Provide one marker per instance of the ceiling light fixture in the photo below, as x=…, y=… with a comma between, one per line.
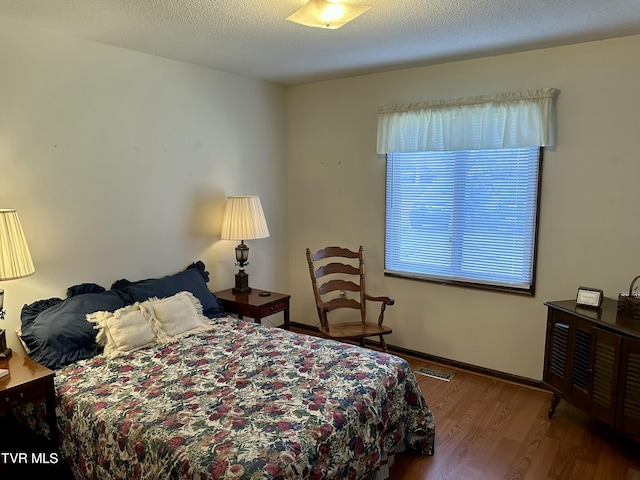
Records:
x=326, y=14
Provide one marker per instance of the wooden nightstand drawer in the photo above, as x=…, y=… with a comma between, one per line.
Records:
x=256, y=304
x=24, y=395
x=276, y=307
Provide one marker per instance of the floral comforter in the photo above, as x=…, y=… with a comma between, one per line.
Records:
x=240, y=401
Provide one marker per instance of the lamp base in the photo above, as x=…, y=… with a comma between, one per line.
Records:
x=242, y=283
x=5, y=352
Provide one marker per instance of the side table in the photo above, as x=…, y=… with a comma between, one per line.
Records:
x=255, y=305
x=26, y=382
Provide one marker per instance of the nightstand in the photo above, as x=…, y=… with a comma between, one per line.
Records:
x=26, y=382
x=255, y=305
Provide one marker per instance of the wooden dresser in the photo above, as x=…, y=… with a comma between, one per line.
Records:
x=592, y=361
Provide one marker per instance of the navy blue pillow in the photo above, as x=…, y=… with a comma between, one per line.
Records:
x=192, y=279
x=57, y=332
x=84, y=288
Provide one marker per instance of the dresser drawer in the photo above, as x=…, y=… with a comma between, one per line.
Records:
x=13, y=398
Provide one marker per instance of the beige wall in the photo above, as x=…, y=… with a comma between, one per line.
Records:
x=119, y=164
x=590, y=211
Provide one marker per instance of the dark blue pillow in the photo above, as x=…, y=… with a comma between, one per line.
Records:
x=57, y=332
x=192, y=279
x=84, y=288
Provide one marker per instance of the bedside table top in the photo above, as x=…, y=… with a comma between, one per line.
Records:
x=22, y=371
x=252, y=298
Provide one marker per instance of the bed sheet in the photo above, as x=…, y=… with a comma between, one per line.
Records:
x=240, y=401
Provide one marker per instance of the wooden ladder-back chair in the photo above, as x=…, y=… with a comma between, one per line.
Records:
x=344, y=277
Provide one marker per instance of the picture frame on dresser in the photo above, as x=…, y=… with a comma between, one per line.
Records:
x=589, y=297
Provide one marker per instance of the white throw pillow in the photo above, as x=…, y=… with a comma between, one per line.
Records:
x=176, y=315
x=125, y=330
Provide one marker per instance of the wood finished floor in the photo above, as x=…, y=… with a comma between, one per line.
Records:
x=491, y=429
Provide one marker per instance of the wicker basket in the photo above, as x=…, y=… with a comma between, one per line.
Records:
x=628, y=303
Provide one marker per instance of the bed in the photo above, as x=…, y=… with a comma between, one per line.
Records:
x=224, y=398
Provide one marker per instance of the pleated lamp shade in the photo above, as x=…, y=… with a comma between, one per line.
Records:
x=15, y=258
x=244, y=219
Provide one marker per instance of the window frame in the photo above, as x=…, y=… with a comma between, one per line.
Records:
x=530, y=291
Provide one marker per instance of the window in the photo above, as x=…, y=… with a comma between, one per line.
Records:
x=462, y=186
x=463, y=216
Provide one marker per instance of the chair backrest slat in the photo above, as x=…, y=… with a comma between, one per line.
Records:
x=338, y=285
x=336, y=268
x=334, y=252
x=336, y=303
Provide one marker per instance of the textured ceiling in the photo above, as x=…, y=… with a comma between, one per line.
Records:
x=252, y=37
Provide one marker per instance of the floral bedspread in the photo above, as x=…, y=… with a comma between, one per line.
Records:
x=240, y=401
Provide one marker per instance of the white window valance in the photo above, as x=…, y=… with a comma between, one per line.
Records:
x=505, y=120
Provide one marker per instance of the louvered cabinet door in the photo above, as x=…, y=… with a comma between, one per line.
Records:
x=558, y=351
x=579, y=392
x=628, y=418
x=606, y=367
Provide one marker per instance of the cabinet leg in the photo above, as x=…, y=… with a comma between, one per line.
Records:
x=554, y=403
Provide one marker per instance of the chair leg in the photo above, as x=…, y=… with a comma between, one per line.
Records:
x=362, y=342
x=383, y=344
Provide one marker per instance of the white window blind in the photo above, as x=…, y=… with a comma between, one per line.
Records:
x=463, y=216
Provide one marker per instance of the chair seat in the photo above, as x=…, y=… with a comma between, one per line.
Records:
x=356, y=330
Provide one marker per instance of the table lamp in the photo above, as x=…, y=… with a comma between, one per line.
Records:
x=243, y=220
x=15, y=261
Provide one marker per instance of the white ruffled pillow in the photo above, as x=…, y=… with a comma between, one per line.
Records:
x=176, y=315
x=123, y=331
x=148, y=323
